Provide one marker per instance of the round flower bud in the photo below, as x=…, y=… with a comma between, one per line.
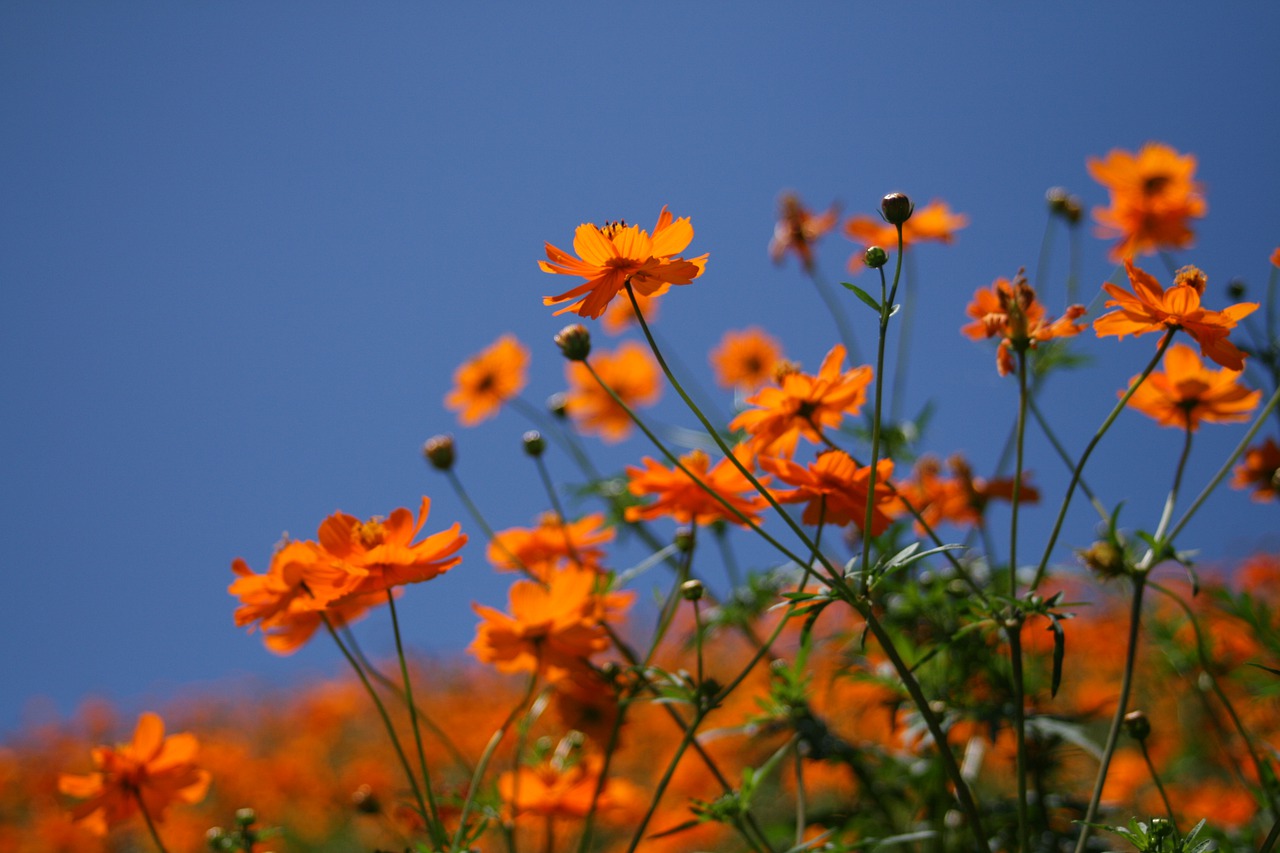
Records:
x=684, y=539
x=365, y=801
x=215, y=838
x=1104, y=559
x=246, y=817
x=1137, y=725
x=557, y=405
x=691, y=590
x=534, y=443
x=875, y=257
x=439, y=451
x=896, y=208
x=574, y=341
x=1073, y=210
x=1235, y=289
x=1057, y=198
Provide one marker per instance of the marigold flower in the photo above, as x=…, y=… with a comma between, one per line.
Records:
x=1153, y=197
x=688, y=503
x=802, y=405
x=487, y=380
x=152, y=768
x=935, y=222
x=1151, y=308
x=551, y=545
x=559, y=789
x=1260, y=470
x=1010, y=311
x=834, y=490
x=745, y=360
x=632, y=374
x=617, y=253
x=1187, y=393
x=798, y=229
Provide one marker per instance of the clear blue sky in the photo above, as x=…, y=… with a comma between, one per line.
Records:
x=243, y=247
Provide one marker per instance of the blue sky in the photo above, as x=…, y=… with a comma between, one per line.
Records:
x=243, y=247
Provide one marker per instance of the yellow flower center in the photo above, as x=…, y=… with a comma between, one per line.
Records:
x=369, y=533
x=610, y=229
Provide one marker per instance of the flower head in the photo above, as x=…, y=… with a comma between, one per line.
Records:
x=1010, y=311
x=567, y=789
x=679, y=497
x=745, y=360
x=1153, y=199
x=552, y=544
x=632, y=374
x=960, y=499
x=611, y=256
x=935, y=222
x=1260, y=471
x=798, y=229
x=1151, y=308
x=833, y=489
x=484, y=382
x=1187, y=393
x=802, y=405
x=152, y=769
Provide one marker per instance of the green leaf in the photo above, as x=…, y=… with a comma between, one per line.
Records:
x=864, y=296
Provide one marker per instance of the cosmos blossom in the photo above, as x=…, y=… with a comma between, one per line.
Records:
x=798, y=229
x=1186, y=393
x=1010, y=311
x=1154, y=197
x=833, y=489
x=1259, y=470
x=679, y=497
x=484, y=382
x=632, y=374
x=745, y=360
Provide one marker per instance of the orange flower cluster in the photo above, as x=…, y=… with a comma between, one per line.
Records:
x=352, y=567
x=960, y=499
x=1154, y=197
x=552, y=545
x=681, y=498
x=798, y=229
x=632, y=374
x=1187, y=393
x=611, y=256
x=1151, y=308
x=483, y=383
x=1010, y=311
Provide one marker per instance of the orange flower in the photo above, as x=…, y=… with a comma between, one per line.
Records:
x=562, y=789
x=1260, y=470
x=687, y=502
x=932, y=223
x=153, y=769
x=1187, y=393
x=745, y=360
x=487, y=380
x=960, y=499
x=834, y=489
x=804, y=405
x=619, y=253
x=1151, y=308
x=798, y=229
x=1153, y=197
x=620, y=316
x=551, y=545
x=553, y=628
x=633, y=375
x=1275, y=257
x=1010, y=311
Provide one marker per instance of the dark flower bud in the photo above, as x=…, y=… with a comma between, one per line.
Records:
x=1057, y=198
x=1073, y=210
x=1137, y=725
x=1235, y=289
x=216, y=838
x=534, y=443
x=691, y=590
x=439, y=451
x=557, y=405
x=574, y=341
x=684, y=539
x=365, y=801
x=246, y=817
x=875, y=257
x=896, y=208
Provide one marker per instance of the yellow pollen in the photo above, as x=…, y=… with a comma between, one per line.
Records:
x=369, y=533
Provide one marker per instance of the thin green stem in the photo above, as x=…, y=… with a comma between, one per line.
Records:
x=1084, y=457
x=800, y=795
x=1171, y=500
x=1016, y=498
x=1155, y=777
x=1043, y=423
x=877, y=413
x=901, y=360
x=1019, y=730
x=146, y=816
x=588, y=826
x=1269, y=843
x=689, y=735
x=669, y=607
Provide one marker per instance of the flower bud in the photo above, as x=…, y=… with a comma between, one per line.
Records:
x=216, y=838
x=439, y=451
x=1073, y=210
x=875, y=257
x=1057, y=198
x=1235, y=289
x=691, y=590
x=1137, y=725
x=684, y=539
x=1104, y=559
x=557, y=405
x=246, y=817
x=534, y=443
x=896, y=208
x=365, y=801
x=574, y=341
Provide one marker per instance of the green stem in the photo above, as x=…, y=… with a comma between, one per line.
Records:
x=588, y=827
x=1155, y=777
x=1019, y=730
x=1043, y=423
x=146, y=816
x=689, y=734
x=1171, y=500
x=882, y=337
x=1016, y=499
x=897, y=398
x=668, y=613
x=1269, y=843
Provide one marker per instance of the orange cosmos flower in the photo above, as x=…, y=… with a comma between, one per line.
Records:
x=1187, y=393
x=1153, y=197
x=935, y=222
x=633, y=375
x=554, y=626
x=803, y=405
x=619, y=253
x=688, y=503
x=564, y=789
x=798, y=229
x=551, y=545
x=1275, y=257
x=1260, y=471
x=487, y=380
x=1010, y=311
x=745, y=360
x=960, y=499
x=152, y=769
x=384, y=550
x=1151, y=308
x=834, y=489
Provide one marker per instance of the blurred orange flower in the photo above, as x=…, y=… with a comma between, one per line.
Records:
x=935, y=222
x=1011, y=312
x=552, y=544
x=1187, y=393
x=1153, y=199
x=618, y=253
x=834, y=489
x=688, y=503
x=1151, y=308
x=620, y=316
x=802, y=405
x=960, y=499
x=487, y=380
x=633, y=375
x=1260, y=471
x=798, y=229
x=1275, y=257
x=557, y=789
x=745, y=360
x=153, y=770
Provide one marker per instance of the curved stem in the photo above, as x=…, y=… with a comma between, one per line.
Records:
x=877, y=411
x=433, y=815
x=146, y=816
x=1155, y=777
x=1166, y=515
